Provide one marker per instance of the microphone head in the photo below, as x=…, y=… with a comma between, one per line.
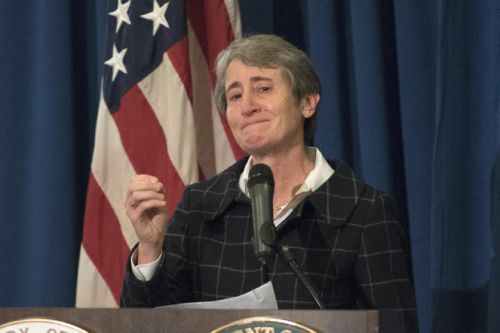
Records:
x=260, y=173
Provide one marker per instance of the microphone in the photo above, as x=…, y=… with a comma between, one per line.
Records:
x=261, y=188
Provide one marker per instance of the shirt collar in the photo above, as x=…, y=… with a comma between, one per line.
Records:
x=321, y=172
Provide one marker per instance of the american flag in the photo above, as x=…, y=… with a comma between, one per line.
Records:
x=156, y=116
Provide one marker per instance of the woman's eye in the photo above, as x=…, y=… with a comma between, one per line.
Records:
x=234, y=97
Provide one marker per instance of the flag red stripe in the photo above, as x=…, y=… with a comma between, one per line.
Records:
x=210, y=22
x=103, y=240
x=146, y=145
x=179, y=56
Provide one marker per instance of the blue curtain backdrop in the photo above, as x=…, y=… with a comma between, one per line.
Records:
x=48, y=99
x=410, y=100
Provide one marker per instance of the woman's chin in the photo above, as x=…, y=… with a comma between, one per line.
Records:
x=255, y=147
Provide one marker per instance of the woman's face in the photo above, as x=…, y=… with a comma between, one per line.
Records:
x=263, y=114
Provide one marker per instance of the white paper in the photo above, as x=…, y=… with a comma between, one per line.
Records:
x=262, y=297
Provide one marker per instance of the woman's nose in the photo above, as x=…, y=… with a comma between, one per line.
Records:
x=249, y=104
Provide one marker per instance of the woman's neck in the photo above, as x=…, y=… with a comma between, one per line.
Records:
x=289, y=169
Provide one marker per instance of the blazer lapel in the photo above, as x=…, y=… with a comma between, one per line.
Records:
x=223, y=191
x=335, y=200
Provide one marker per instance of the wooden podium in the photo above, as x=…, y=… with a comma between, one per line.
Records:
x=189, y=320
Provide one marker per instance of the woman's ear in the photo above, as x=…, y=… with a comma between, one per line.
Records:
x=310, y=103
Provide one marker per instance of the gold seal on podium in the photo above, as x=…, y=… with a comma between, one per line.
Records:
x=39, y=325
x=263, y=325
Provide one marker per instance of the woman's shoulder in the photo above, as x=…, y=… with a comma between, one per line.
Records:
x=210, y=198
x=221, y=181
x=345, y=182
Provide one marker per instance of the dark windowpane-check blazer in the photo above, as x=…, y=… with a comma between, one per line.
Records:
x=344, y=236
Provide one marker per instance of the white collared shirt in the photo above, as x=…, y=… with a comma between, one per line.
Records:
x=321, y=172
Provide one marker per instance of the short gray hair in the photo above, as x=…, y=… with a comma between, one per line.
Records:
x=270, y=51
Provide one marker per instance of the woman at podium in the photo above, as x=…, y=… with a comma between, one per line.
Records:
x=342, y=233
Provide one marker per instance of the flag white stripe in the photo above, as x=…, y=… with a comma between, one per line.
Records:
x=112, y=169
x=233, y=10
x=167, y=96
x=91, y=288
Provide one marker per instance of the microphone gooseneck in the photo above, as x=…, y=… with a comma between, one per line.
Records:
x=285, y=253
